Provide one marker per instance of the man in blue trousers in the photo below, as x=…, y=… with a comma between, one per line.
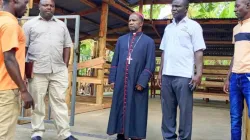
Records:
x=239, y=73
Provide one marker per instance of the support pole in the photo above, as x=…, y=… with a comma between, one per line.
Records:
x=102, y=45
x=73, y=97
x=141, y=6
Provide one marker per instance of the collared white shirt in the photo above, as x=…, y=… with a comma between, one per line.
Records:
x=45, y=41
x=179, y=43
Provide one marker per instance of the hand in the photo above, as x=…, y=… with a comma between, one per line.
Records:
x=226, y=86
x=159, y=80
x=139, y=87
x=112, y=85
x=196, y=81
x=27, y=99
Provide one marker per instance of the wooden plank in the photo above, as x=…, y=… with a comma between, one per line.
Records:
x=219, y=67
x=86, y=79
x=214, y=71
x=216, y=96
x=93, y=63
x=212, y=84
x=214, y=75
x=217, y=58
x=107, y=66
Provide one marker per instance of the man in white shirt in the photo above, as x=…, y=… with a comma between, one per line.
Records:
x=182, y=46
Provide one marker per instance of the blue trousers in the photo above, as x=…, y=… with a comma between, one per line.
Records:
x=239, y=88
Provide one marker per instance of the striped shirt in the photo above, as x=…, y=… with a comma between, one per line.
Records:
x=241, y=41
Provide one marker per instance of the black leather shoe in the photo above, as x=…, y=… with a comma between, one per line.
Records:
x=36, y=138
x=120, y=137
x=71, y=138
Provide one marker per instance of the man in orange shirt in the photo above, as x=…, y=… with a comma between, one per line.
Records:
x=12, y=64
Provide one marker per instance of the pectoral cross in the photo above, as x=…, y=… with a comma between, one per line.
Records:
x=129, y=59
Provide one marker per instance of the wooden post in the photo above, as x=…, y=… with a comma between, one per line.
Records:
x=102, y=45
x=1, y=4
x=141, y=6
x=246, y=123
x=95, y=55
x=151, y=11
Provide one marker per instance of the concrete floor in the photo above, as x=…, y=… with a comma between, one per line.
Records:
x=210, y=122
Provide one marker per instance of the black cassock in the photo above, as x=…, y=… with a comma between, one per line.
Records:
x=129, y=110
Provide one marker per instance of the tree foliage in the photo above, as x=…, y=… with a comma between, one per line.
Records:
x=212, y=10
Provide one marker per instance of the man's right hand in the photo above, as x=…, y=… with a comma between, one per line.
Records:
x=159, y=80
x=226, y=86
x=112, y=85
x=28, y=100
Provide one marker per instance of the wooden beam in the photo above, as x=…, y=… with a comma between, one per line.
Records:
x=214, y=96
x=211, y=71
x=212, y=84
x=201, y=21
x=191, y=1
x=118, y=6
x=93, y=80
x=120, y=29
x=93, y=5
x=65, y=12
x=219, y=42
x=86, y=12
x=141, y=6
x=118, y=17
x=156, y=31
x=90, y=4
x=93, y=63
x=214, y=76
x=30, y=4
x=102, y=45
x=107, y=66
x=217, y=58
x=158, y=41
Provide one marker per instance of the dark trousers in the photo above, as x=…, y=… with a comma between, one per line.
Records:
x=175, y=91
x=239, y=90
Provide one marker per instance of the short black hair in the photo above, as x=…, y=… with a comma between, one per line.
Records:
x=6, y=2
x=186, y=2
x=40, y=2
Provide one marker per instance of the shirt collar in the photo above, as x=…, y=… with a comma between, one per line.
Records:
x=41, y=18
x=183, y=20
x=244, y=21
x=136, y=33
x=4, y=13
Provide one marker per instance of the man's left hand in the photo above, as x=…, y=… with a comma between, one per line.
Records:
x=196, y=81
x=139, y=87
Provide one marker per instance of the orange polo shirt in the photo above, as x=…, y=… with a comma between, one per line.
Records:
x=11, y=37
x=241, y=41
